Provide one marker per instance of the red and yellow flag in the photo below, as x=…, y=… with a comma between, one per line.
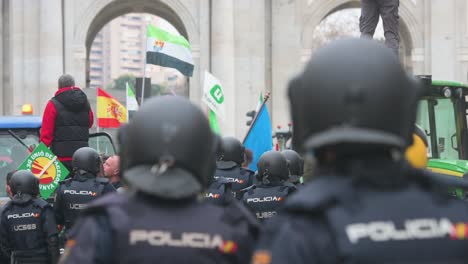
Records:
x=110, y=113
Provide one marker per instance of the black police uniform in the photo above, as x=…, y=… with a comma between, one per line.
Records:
x=336, y=219
x=265, y=199
x=74, y=194
x=28, y=232
x=220, y=191
x=240, y=178
x=230, y=156
x=296, y=166
x=147, y=229
x=365, y=204
x=161, y=220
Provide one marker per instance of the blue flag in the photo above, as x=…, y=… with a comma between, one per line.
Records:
x=259, y=139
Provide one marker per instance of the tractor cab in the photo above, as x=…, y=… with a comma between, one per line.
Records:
x=19, y=135
x=442, y=113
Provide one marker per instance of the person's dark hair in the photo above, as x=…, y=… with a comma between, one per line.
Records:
x=8, y=176
x=248, y=157
x=66, y=80
x=104, y=157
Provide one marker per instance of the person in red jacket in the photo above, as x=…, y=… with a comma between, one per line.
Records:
x=66, y=120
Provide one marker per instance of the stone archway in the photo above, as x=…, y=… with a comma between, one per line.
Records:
x=100, y=12
x=410, y=30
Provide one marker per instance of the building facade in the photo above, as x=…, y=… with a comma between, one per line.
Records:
x=250, y=45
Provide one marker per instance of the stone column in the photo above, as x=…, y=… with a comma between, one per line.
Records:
x=201, y=55
x=2, y=15
x=223, y=54
x=51, y=49
x=286, y=56
x=22, y=46
x=252, y=65
x=443, y=39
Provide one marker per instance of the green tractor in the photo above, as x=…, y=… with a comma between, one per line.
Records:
x=442, y=113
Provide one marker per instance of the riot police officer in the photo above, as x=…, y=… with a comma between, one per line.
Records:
x=229, y=166
x=296, y=166
x=28, y=232
x=353, y=109
x=267, y=196
x=75, y=193
x=169, y=156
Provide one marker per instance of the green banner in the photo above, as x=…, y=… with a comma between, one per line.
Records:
x=45, y=165
x=214, y=123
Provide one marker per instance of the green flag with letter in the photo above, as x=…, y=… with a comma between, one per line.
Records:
x=213, y=97
x=45, y=165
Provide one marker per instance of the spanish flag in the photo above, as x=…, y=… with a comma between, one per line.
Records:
x=110, y=113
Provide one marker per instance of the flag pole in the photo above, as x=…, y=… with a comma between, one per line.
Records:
x=97, y=121
x=267, y=96
x=144, y=67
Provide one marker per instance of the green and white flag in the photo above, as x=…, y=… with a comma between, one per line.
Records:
x=168, y=50
x=132, y=104
x=213, y=95
x=260, y=102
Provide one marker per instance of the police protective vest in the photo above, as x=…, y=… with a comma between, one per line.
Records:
x=71, y=124
x=361, y=224
x=24, y=229
x=146, y=230
x=241, y=178
x=74, y=194
x=265, y=200
x=220, y=191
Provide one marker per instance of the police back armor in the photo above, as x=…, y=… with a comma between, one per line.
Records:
x=220, y=191
x=265, y=200
x=24, y=230
x=144, y=231
x=73, y=195
x=342, y=222
x=241, y=178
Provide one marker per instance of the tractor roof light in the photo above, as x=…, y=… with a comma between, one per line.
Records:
x=27, y=109
x=446, y=92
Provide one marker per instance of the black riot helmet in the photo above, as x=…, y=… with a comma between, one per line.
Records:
x=24, y=182
x=353, y=91
x=86, y=159
x=232, y=152
x=273, y=167
x=169, y=149
x=295, y=162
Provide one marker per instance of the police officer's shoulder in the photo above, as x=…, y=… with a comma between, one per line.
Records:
x=246, y=171
x=307, y=234
x=6, y=207
x=106, y=201
x=234, y=213
x=249, y=189
x=66, y=181
x=102, y=180
x=41, y=203
x=317, y=194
